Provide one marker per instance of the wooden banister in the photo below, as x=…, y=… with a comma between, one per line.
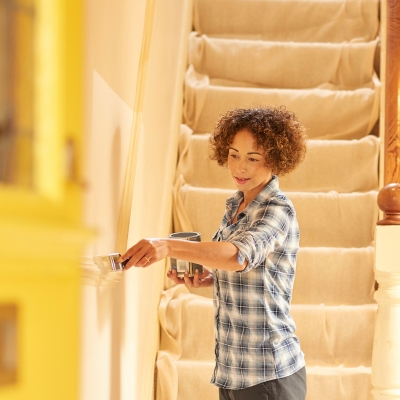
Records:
x=392, y=70
x=389, y=195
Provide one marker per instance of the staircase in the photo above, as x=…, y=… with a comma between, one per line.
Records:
x=318, y=58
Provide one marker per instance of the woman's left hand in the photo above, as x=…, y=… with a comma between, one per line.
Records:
x=198, y=280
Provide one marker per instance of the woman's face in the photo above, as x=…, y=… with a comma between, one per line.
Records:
x=246, y=163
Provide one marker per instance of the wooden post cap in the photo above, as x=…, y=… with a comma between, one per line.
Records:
x=389, y=202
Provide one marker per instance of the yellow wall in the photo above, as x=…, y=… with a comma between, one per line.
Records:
x=45, y=289
x=41, y=234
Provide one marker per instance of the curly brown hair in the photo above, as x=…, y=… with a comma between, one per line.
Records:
x=276, y=130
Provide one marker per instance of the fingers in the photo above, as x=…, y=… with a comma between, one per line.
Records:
x=174, y=277
x=196, y=279
x=146, y=252
x=137, y=261
x=188, y=280
x=139, y=255
x=143, y=261
x=191, y=282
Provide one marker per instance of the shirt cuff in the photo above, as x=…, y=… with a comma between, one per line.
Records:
x=241, y=258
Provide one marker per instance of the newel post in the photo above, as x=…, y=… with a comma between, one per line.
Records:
x=386, y=350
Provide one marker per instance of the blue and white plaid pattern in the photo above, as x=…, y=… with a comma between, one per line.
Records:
x=255, y=337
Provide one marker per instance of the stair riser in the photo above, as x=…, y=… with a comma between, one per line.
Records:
x=328, y=275
x=326, y=333
x=325, y=220
x=326, y=113
x=345, y=65
x=319, y=172
x=299, y=21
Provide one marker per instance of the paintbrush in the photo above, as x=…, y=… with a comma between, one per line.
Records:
x=109, y=263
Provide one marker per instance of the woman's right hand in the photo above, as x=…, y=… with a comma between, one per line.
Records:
x=198, y=280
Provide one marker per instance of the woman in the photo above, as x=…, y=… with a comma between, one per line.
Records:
x=251, y=260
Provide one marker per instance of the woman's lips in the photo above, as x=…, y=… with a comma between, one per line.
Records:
x=241, y=181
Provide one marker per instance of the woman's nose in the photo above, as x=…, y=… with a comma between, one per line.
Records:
x=241, y=166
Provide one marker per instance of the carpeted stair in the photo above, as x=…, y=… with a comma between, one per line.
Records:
x=319, y=59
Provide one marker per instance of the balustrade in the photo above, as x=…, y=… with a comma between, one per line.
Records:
x=386, y=351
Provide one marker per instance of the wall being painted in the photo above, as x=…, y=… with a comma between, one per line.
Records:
x=120, y=325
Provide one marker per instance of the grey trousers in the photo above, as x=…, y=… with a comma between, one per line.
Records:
x=293, y=387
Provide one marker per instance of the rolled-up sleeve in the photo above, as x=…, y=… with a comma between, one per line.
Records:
x=263, y=236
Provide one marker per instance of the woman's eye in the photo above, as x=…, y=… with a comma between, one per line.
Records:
x=233, y=155
x=253, y=159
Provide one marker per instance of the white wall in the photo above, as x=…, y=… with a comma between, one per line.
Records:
x=120, y=325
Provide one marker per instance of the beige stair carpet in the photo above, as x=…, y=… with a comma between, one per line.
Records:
x=327, y=113
x=319, y=59
x=333, y=21
x=344, y=65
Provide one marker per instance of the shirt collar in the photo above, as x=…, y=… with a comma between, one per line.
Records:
x=271, y=187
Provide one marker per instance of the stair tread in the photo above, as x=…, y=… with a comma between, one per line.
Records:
x=305, y=21
x=348, y=65
x=342, y=114
x=325, y=219
x=319, y=172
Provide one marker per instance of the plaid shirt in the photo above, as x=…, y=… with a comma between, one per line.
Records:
x=255, y=337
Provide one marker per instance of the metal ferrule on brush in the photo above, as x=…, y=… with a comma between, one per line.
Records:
x=109, y=263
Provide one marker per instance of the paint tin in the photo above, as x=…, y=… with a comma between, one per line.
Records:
x=179, y=265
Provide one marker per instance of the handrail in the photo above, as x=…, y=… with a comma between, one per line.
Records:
x=389, y=195
x=392, y=73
